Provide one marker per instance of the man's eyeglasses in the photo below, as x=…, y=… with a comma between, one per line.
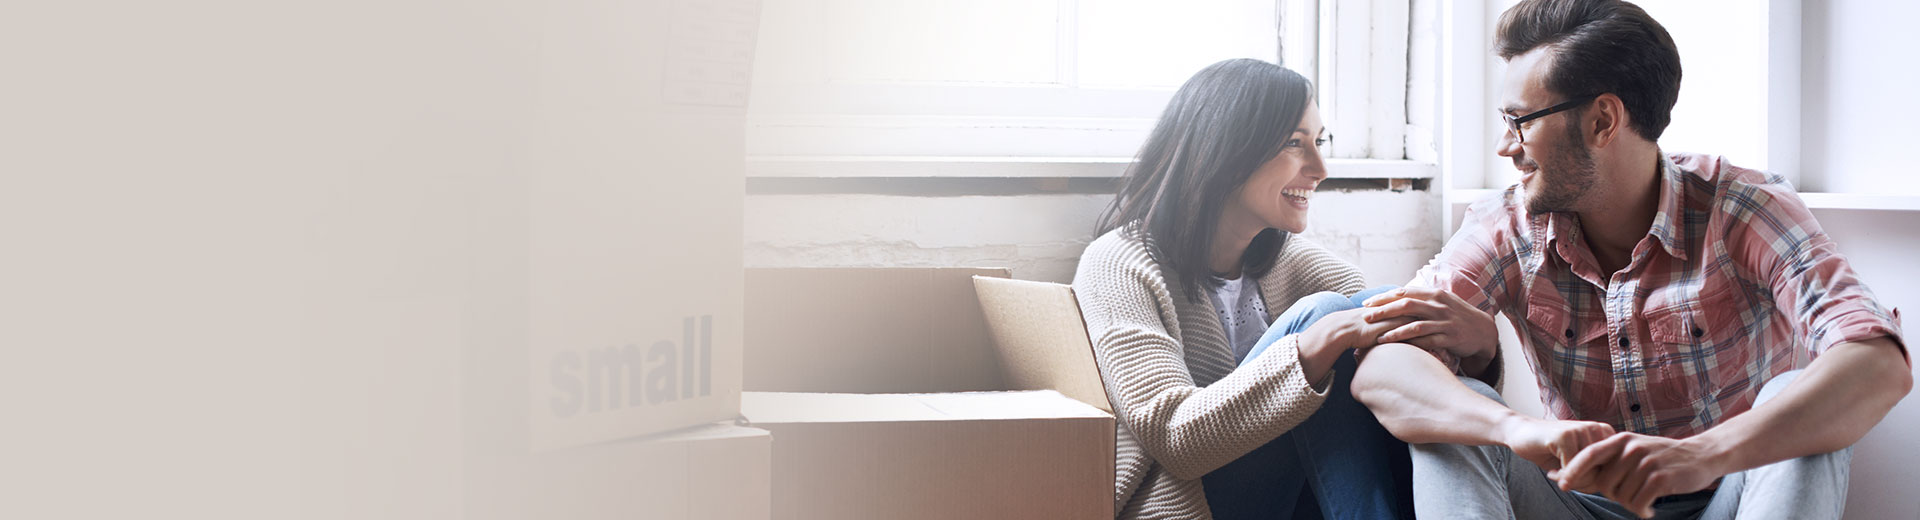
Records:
x=1514, y=122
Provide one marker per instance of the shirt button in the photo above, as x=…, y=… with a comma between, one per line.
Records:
x=1697, y=332
x=1623, y=342
x=1634, y=408
x=1569, y=333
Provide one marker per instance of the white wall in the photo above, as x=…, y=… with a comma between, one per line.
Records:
x=1388, y=234
x=1860, y=75
x=1881, y=245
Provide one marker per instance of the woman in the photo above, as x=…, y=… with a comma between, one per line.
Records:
x=1228, y=408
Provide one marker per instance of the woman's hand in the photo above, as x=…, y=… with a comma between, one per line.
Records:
x=1324, y=341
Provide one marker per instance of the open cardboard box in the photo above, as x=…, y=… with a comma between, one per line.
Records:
x=868, y=330
x=885, y=448
x=936, y=456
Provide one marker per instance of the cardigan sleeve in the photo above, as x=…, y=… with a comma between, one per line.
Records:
x=1188, y=430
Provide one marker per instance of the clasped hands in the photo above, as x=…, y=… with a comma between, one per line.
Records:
x=1629, y=468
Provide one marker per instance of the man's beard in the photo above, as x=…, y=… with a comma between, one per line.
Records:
x=1572, y=172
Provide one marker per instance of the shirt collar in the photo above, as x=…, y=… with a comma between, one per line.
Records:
x=1668, y=225
x=1563, y=229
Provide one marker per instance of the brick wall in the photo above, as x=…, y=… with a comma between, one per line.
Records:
x=1040, y=236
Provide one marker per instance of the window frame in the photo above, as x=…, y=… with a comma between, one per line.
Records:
x=1085, y=131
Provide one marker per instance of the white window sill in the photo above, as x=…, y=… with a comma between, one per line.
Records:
x=1025, y=167
x=1815, y=200
x=1861, y=201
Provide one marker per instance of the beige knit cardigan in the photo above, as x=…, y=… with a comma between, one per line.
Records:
x=1182, y=408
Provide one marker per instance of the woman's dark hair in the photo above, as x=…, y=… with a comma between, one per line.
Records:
x=1600, y=46
x=1220, y=127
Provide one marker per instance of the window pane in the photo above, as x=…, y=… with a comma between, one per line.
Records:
x=958, y=41
x=1723, y=91
x=1155, y=43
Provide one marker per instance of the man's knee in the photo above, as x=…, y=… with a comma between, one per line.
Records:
x=1815, y=486
x=1775, y=385
x=1478, y=455
x=1457, y=464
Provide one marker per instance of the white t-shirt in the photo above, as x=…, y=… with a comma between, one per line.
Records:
x=1242, y=314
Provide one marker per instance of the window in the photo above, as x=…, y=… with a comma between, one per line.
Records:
x=1072, y=82
x=1739, y=97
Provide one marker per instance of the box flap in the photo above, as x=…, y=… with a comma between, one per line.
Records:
x=1041, y=339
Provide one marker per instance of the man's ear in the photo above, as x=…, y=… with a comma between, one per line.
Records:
x=1610, y=119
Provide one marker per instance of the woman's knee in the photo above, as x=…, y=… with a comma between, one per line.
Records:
x=1321, y=304
x=1361, y=297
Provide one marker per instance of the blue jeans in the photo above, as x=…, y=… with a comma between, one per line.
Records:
x=1339, y=464
x=1491, y=482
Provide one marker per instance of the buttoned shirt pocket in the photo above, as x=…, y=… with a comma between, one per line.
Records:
x=1562, y=342
x=1701, y=346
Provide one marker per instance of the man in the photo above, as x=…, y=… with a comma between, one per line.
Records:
x=1704, y=348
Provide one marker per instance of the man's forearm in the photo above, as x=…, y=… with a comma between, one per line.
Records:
x=1420, y=401
x=1840, y=396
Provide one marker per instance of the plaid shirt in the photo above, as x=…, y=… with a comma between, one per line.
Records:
x=1734, y=284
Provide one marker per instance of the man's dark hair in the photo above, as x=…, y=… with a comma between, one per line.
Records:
x=1225, y=122
x=1600, y=46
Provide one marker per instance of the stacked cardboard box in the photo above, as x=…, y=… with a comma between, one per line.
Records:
x=611, y=376
x=720, y=472
x=633, y=224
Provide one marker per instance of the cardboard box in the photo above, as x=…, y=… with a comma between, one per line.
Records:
x=720, y=471
x=868, y=330
x=634, y=211
x=1041, y=338
x=1001, y=455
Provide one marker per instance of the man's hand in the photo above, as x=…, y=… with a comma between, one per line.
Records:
x=1444, y=322
x=1635, y=469
x=1547, y=443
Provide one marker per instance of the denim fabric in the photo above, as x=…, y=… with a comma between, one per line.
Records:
x=1339, y=464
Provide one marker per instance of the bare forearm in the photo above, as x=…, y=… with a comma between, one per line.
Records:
x=1420, y=401
x=1840, y=396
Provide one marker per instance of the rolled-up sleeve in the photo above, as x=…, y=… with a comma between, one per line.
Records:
x=1477, y=263
x=1775, y=234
